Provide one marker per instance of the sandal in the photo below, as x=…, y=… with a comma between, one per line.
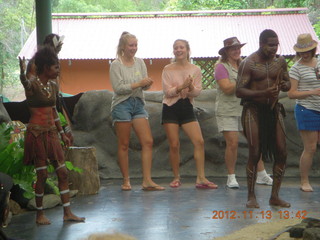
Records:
x=208, y=185
x=175, y=184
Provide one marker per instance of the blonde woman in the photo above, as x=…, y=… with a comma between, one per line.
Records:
x=181, y=82
x=129, y=78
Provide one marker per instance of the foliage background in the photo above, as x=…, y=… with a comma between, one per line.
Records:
x=17, y=20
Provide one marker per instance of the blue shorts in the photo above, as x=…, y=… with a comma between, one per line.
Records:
x=128, y=110
x=307, y=119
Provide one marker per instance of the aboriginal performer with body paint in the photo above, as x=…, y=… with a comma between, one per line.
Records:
x=42, y=141
x=261, y=76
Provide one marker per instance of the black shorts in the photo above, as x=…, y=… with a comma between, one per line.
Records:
x=180, y=113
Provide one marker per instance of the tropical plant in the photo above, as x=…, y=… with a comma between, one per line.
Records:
x=11, y=155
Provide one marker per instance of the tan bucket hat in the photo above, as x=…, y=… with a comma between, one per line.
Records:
x=230, y=42
x=305, y=43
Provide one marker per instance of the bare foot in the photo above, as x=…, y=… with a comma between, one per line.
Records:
x=252, y=203
x=126, y=187
x=306, y=187
x=41, y=219
x=73, y=218
x=279, y=202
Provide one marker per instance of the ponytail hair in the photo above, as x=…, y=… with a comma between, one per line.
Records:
x=122, y=42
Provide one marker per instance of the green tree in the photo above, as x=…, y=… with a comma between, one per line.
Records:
x=16, y=23
x=75, y=6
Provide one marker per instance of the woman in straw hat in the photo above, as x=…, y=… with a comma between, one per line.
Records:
x=228, y=108
x=305, y=88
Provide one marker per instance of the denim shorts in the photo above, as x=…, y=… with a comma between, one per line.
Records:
x=129, y=109
x=307, y=119
x=180, y=113
x=229, y=123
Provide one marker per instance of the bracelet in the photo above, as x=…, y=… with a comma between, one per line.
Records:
x=57, y=120
x=61, y=132
x=67, y=129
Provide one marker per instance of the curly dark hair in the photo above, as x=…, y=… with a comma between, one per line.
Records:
x=265, y=34
x=45, y=56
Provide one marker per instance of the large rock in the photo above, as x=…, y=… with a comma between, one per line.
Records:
x=93, y=127
x=4, y=116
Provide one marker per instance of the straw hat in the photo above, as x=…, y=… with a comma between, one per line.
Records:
x=230, y=42
x=305, y=43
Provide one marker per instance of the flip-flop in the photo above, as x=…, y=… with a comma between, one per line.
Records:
x=153, y=188
x=208, y=185
x=175, y=184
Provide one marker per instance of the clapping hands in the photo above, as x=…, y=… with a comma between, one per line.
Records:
x=188, y=83
x=146, y=82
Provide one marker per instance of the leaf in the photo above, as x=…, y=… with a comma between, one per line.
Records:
x=71, y=167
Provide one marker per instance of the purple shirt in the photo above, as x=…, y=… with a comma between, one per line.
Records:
x=220, y=72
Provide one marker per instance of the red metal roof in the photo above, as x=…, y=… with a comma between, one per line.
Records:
x=97, y=38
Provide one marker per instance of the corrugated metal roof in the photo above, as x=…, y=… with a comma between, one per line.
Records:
x=97, y=38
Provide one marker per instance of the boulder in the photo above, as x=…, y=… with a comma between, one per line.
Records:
x=93, y=127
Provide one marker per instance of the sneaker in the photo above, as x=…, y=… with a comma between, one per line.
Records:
x=232, y=181
x=265, y=180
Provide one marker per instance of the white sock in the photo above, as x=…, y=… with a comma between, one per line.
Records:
x=231, y=175
x=262, y=173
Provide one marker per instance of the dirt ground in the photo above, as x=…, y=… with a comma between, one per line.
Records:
x=263, y=231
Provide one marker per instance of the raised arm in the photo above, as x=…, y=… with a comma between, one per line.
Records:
x=25, y=82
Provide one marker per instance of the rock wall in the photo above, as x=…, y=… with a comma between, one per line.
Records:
x=93, y=127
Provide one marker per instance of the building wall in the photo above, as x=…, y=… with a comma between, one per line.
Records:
x=85, y=75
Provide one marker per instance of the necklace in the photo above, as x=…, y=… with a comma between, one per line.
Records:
x=46, y=89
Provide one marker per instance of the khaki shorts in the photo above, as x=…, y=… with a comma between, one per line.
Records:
x=229, y=123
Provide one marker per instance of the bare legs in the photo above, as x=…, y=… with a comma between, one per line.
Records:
x=252, y=134
x=193, y=131
x=143, y=132
x=172, y=131
x=42, y=176
x=309, y=139
x=123, y=133
x=231, y=153
x=62, y=174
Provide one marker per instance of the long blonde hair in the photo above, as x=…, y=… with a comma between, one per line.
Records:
x=122, y=42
